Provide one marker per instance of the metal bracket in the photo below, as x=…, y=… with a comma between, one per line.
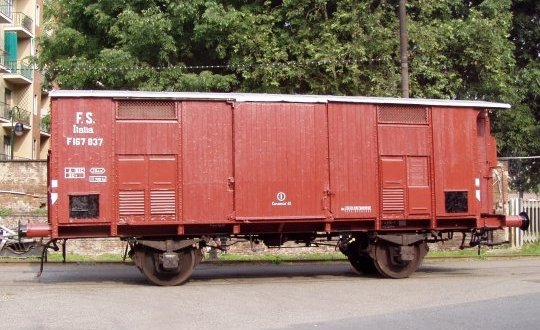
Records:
x=404, y=239
x=168, y=245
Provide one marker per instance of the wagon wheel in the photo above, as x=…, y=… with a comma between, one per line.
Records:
x=389, y=264
x=362, y=264
x=155, y=273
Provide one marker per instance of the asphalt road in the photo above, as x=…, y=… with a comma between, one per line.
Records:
x=499, y=294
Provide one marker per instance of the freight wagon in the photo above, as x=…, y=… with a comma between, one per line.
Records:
x=173, y=172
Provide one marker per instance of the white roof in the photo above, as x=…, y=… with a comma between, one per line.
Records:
x=249, y=97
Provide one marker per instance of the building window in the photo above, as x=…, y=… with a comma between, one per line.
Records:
x=38, y=15
x=34, y=106
x=34, y=147
x=7, y=147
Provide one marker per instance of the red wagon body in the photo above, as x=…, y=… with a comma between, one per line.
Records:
x=175, y=168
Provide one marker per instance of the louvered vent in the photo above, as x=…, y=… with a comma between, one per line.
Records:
x=163, y=202
x=393, y=200
x=131, y=202
x=140, y=109
x=403, y=114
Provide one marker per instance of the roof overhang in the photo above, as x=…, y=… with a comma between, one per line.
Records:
x=248, y=97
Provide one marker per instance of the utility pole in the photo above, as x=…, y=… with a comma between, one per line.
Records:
x=404, y=48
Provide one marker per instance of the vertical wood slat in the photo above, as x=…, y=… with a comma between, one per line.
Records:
x=518, y=236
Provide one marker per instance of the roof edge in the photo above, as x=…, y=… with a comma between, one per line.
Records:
x=290, y=98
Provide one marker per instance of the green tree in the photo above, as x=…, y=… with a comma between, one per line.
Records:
x=518, y=131
x=468, y=49
x=126, y=44
x=459, y=49
x=307, y=46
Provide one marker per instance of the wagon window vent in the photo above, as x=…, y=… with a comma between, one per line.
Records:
x=84, y=206
x=403, y=114
x=456, y=201
x=146, y=110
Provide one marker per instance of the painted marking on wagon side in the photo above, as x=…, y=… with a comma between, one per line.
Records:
x=84, y=125
x=97, y=170
x=83, y=130
x=80, y=142
x=356, y=209
x=74, y=172
x=84, y=118
x=54, y=198
x=281, y=200
x=97, y=178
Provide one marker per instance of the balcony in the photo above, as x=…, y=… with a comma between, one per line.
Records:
x=6, y=11
x=19, y=72
x=4, y=113
x=4, y=157
x=18, y=114
x=3, y=59
x=22, y=24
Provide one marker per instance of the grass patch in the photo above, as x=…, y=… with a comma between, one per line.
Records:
x=531, y=249
x=473, y=253
x=279, y=258
x=225, y=257
x=40, y=212
x=73, y=257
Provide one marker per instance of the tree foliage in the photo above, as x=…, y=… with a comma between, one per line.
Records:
x=458, y=49
x=518, y=131
x=467, y=49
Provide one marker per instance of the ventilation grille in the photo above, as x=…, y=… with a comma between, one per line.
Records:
x=131, y=203
x=456, y=201
x=163, y=202
x=393, y=200
x=84, y=206
x=146, y=110
x=403, y=114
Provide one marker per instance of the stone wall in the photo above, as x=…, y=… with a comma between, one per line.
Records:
x=23, y=188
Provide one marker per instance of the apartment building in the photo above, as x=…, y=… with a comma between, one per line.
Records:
x=24, y=132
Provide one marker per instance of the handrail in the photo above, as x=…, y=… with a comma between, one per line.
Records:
x=21, y=115
x=19, y=67
x=6, y=8
x=23, y=20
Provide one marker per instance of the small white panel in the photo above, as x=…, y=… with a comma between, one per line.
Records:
x=54, y=198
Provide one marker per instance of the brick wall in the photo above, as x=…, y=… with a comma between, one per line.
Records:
x=23, y=188
x=23, y=198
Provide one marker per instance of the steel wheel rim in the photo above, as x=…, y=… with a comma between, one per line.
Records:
x=159, y=277
x=388, y=266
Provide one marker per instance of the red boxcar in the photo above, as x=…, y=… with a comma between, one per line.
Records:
x=170, y=172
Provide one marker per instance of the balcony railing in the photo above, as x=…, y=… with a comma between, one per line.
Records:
x=21, y=19
x=19, y=114
x=4, y=110
x=4, y=157
x=3, y=56
x=6, y=8
x=21, y=68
